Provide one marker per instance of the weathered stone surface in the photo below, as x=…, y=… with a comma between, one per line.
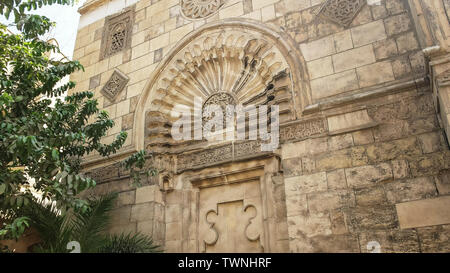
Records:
x=336, y=180
x=410, y=189
x=292, y=166
x=306, y=184
x=363, y=137
x=309, y=225
x=372, y=196
x=331, y=200
x=422, y=213
x=360, y=34
x=368, y=175
x=443, y=182
x=371, y=218
x=340, y=142
x=397, y=24
x=142, y=212
x=333, y=160
x=434, y=239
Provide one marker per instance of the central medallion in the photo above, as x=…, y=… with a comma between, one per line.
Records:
x=221, y=99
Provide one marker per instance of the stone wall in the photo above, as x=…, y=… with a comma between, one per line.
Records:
x=343, y=191
x=362, y=149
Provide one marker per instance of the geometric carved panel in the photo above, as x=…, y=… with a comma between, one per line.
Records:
x=341, y=12
x=117, y=33
x=114, y=85
x=197, y=9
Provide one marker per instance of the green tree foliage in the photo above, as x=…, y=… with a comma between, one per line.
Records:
x=88, y=228
x=42, y=141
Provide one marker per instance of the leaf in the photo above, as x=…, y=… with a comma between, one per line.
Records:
x=2, y=188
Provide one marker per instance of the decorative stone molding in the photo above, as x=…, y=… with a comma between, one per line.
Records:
x=198, y=9
x=302, y=130
x=247, y=149
x=114, y=85
x=117, y=33
x=341, y=12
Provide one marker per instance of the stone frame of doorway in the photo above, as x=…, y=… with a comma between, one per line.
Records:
x=267, y=170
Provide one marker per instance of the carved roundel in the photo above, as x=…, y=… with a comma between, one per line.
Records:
x=221, y=99
x=197, y=9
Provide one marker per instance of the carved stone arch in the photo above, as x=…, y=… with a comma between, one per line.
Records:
x=233, y=55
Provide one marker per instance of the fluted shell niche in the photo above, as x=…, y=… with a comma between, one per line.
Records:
x=244, y=65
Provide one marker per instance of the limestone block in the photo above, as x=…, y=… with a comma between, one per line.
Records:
x=430, y=142
x=123, y=108
x=385, y=49
x=142, y=212
x=268, y=13
x=340, y=142
x=368, y=175
x=296, y=205
x=371, y=218
x=148, y=194
x=336, y=180
x=443, y=182
x=320, y=67
x=292, y=166
x=375, y=74
x=306, y=184
x=371, y=196
x=257, y=4
x=363, y=137
x=422, y=213
x=348, y=122
x=318, y=49
x=173, y=231
x=306, y=147
x=407, y=42
x=435, y=239
x=397, y=24
x=343, y=41
x=177, y=34
x=368, y=33
x=330, y=200
x=121, y=215
x=235, y=10
x=125, y=198
x=400, y=169
x=411, y=189
x=334, y=84
x=309, y=226
x=353, y=58
x=159, y=42
x=334, y=160
x=145, y=227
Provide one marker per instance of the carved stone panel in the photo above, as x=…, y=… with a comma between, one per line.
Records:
x=197, y=9
x=117, y=33
x=341, y=12
x=231, y=218
x=115, y=85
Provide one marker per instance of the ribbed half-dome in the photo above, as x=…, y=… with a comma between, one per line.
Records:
x=249, y=68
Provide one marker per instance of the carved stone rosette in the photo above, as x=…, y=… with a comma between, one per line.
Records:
x=115, y=85
x=341, y=12
x=198, y=9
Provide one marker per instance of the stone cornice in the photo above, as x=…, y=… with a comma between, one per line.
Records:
x=91, y=5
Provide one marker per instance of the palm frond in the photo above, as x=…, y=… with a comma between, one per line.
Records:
x=88, y=227
x=127, y=243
